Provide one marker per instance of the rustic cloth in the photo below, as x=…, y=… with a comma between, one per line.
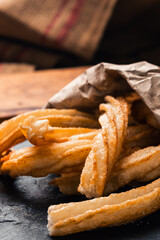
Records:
x=54, y=33
x=64, y=25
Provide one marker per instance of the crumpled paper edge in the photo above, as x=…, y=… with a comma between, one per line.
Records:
x=89, y=89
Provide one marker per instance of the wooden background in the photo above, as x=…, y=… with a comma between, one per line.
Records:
x=21, y=92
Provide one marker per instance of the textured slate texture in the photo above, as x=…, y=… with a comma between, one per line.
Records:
x=23, y=213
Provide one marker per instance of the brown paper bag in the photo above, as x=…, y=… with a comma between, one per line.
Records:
x=88, y=90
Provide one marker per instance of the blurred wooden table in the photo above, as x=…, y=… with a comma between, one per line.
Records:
x=21, y=92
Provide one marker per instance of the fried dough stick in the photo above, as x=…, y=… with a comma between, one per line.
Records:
x=39, y=132
x=139, y=137
x=142, y=135
x=116, y=209
x=76, y=137
x=131, y=98
x=107, y=146
x=10, y=133
x=141, y=113
x=120, y=109
x=67, y=183
x=141, y=166
x=93, y=175
x=43, y=160
x=153, y=174
x=134, y=167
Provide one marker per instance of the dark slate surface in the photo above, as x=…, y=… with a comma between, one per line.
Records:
x=23, y=214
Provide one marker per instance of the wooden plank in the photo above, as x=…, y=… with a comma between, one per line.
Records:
x=23, y=92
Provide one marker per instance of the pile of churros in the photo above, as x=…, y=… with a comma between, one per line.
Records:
x=94, y=155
